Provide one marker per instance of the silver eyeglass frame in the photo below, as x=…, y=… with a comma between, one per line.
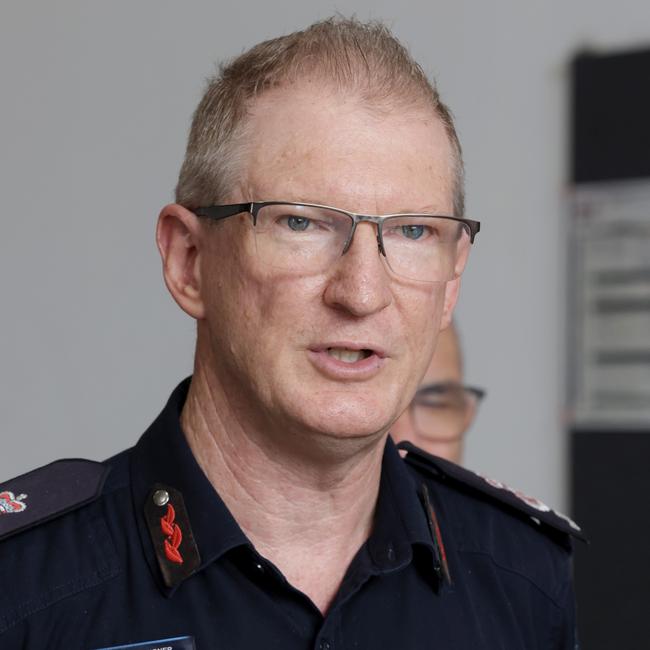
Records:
x=219, y=212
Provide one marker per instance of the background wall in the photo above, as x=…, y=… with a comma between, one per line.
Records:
x=96, y=103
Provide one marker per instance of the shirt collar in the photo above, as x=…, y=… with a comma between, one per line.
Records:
x=401, y=524
x=162, y=456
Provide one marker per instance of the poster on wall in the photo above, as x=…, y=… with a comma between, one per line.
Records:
x=609, y=305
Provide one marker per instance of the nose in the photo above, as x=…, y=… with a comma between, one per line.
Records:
x=360, y=284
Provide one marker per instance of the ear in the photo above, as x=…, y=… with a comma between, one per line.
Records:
x=178, y=236
x=451, y=296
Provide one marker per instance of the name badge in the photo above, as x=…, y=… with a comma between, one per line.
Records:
x=177, y=643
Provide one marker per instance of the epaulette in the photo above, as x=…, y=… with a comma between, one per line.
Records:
x=443, y=469
x=48, y=492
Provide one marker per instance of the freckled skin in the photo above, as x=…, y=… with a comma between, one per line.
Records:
x=321, y=147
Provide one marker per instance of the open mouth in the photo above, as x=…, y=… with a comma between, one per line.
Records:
x=349, y=356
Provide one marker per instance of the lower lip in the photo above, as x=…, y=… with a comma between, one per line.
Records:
x=336, y=369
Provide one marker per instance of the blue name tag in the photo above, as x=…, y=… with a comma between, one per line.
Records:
x=177, y=643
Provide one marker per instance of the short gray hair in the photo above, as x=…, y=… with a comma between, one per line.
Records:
x=364, y=57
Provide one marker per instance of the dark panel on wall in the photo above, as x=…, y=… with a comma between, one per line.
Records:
x=611, y=109
x=611, y=501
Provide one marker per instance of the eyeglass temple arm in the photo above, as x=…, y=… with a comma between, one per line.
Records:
x=440, y=387
x=217, y=212
x=474, y=228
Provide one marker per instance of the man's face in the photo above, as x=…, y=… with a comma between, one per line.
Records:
x=279, y=340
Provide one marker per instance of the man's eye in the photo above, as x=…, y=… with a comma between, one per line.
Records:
x=297, y=224
x=413, y=231
x=433, y=402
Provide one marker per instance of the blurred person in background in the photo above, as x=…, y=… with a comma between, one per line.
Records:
x=443, y=408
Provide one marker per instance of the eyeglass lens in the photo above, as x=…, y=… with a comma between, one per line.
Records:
x=444, y=413
x=309, y=239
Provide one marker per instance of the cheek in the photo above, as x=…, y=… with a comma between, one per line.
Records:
x=228, y=293
x=260, y=328
x=421, y=314
x=421, y=318
x=286, y=309
x=252, y=307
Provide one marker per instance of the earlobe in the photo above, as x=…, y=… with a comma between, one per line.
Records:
x=178, y=240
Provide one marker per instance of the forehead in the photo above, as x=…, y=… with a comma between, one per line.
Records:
x=315, y=144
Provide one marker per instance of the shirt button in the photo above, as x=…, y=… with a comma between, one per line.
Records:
x=390, y=553
x=325, y=645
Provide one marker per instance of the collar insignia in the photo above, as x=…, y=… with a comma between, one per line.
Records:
x=436, y=536
x=171, y=534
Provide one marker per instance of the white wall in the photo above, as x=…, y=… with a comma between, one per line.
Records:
x=96, y=102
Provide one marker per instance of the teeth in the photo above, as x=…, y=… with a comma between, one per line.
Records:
x=346, y=355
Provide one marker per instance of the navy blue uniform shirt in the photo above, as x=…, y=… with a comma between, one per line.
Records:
x=452, y=562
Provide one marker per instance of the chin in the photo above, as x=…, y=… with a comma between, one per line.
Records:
x=349, y=421
x=344, y=411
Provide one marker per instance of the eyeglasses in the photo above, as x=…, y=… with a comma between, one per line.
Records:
x=307, y=238
x=444, y=411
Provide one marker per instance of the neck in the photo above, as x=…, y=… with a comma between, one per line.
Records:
x=306, y=511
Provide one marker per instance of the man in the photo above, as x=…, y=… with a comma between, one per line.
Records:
x=442, y=409
x=263, y=508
